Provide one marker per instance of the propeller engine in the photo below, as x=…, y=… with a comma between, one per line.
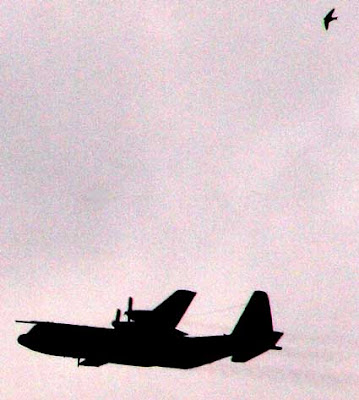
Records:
x=116, y=322
x=138, y=316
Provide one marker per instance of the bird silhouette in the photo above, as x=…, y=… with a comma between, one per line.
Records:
x=328, y=18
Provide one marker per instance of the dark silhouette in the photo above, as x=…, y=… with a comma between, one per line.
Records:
x=150, y=338
x=329, y=18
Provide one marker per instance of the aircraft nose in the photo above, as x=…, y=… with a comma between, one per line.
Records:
x=22, y=340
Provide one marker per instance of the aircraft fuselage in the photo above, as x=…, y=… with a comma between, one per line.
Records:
x=126, y=345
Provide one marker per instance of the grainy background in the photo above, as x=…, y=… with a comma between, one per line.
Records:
x=148, y=146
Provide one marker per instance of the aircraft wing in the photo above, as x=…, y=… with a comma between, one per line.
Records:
x=169, y=313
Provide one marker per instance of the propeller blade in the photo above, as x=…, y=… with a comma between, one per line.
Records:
x=129, y=309
x=116, y=321
x=130, y=303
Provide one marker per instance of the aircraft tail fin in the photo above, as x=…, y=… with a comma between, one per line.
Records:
x=253, y=334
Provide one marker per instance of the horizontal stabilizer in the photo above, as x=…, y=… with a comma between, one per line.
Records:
x=276, y=348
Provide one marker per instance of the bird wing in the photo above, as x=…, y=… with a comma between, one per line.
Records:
x=330, y=13
x=328, y=18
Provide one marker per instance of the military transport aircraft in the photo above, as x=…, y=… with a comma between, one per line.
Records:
x=150, y=338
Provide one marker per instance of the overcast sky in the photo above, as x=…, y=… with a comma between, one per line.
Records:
x=148, y=146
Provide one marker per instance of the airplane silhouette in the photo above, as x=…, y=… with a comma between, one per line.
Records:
x=328, y=18
x=150, y=338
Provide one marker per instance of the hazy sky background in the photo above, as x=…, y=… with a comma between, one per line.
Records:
x=148, y=146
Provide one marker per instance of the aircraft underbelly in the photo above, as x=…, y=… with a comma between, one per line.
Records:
x=177, y=353
x=66, y=348
x=72, y=344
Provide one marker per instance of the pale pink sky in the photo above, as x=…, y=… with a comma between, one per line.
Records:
x=148, y=146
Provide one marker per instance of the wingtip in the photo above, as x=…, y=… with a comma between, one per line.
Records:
x=186, y=291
